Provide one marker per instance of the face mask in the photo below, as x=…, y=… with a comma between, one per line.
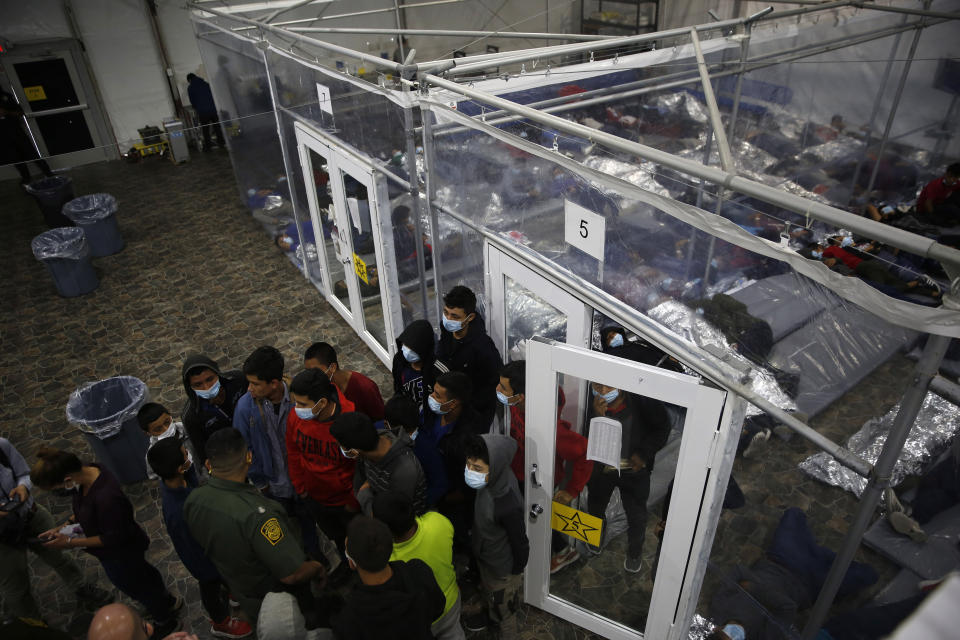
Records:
x=435, y=406
x=347, y=454
x=305, y=413
x=817, y=254
x=609, y=396
x=409, y=354
x=68, y=489
x=171, y=431
x=735, y=631
x=211, y=392
x=474, y=479
x=452, y=325
x=413, y=436
x=505, y=400
x=616, y=340
x=846, y=242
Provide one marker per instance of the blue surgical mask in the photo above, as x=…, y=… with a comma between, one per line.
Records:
x=306, y=413
x=616, y=340
x=474, y=479
x=347, y=455
x=735, y=631
x=502, y=397
x=435, y=406
x=409, y=354
x=413, y=436
x=210, y=393
x=846, y=242
x=452, y=325
x=817, y=254
x=609, y=396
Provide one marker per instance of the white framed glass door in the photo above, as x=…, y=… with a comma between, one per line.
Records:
x=524, y=305
x=346, y=213
x=597, y=592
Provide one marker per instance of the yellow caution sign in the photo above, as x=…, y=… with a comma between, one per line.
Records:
x=579, y=525
x=35, y=93
x=361, y=268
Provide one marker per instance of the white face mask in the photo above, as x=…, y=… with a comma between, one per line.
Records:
x=172, y=430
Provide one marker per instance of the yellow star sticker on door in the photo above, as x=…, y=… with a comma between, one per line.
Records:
x=576, y=524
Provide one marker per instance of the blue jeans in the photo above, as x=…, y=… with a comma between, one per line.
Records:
x=795, y=548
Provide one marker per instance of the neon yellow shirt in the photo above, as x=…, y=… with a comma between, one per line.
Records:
x=433, y=543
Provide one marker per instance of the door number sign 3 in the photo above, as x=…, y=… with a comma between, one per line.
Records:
x=584, y=229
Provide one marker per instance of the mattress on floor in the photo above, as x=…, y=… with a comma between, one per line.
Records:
x=785, y=302
x=836, y=350
x=932, y=559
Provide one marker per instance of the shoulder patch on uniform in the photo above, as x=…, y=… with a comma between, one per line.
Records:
x=261, y=510
x=271, y=531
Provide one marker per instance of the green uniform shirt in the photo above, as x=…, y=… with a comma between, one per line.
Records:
x=247, y=536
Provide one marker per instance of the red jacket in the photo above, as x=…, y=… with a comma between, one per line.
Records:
x=936, y=192
x=316, y=464
x=365, y=395
x=571, y=447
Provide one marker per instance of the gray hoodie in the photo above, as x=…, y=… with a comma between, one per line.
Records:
x=500, y=542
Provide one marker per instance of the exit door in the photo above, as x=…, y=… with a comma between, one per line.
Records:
x=65, y=120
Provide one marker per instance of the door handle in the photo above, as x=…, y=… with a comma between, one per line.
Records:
x=535, y=510
x=534, y=476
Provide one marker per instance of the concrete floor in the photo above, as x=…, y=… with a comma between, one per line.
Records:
x=198, y=274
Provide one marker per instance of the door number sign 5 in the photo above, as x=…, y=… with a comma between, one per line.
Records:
x=584, y=229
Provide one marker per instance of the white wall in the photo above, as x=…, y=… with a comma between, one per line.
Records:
x=122, y=50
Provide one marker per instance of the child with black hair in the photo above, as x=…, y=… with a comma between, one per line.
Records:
x=402, y=597
x=384, y=461
x=158, y=424
x=500, y=544
x=168, y=459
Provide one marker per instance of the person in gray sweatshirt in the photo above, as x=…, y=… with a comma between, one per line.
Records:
x=386, y=461
x=500, y=544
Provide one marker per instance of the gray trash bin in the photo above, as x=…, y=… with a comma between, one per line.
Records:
x=96, y=213
x=66, y=254
x=106, y=412
x=51, y=194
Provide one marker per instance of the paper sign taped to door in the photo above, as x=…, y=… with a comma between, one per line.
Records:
x=361, y=268
x=604, y=441
x=354, y=208
x=579, y=525
x=35, y=93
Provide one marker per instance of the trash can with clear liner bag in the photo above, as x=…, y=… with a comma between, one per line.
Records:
x=51, y=193
x=66, y=254
x=96, y=213
x=106, y=412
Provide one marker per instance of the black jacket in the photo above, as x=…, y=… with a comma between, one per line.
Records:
x=399, y=470
x=476, y=356
x=200, y=417
x=402, y=608
x=418, y=335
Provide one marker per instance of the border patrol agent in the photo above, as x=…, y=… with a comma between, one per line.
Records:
x=248, y=537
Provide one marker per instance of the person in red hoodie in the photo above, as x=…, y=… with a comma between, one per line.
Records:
x=320, y=471
x=571, y=450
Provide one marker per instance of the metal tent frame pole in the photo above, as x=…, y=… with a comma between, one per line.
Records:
x=446, y=33
x=432, y=210
x=879, y=478
x=904, y=240
x=896, y=101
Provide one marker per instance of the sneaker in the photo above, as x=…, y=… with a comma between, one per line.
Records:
x=163, y=628
x=632, y=564
x=94, y=595
x=233, y=601
x=592, y=550
x=476, y=622
x=230, y=628
x=902, y=523
x=563, y=558
x=758, y=443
